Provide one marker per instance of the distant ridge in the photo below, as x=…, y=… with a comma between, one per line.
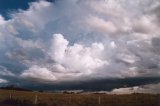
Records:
x=13, y=87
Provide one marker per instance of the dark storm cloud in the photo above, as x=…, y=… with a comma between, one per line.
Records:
x=94, y=85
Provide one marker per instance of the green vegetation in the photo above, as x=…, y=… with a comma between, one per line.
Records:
x=24, y=98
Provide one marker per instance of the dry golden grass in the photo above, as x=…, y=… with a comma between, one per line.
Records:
x=21, y=98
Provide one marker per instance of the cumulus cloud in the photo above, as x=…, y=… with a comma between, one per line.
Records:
x=36, y=72
x=77, y=40
x=69, y=62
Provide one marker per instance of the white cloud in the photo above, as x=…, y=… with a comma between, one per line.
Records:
x=39, y=74
x=2, y=21
x=3, y=81
x=58, y=47
x=110, y=8
x=101, y=25
x=149, y=88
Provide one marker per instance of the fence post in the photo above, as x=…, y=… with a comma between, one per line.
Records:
x=99, y=100
x=10, y=96
x=35, y=101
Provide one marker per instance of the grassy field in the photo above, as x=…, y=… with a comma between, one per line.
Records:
x=21, y=98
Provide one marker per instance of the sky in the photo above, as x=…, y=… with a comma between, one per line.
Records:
x=92, y=45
